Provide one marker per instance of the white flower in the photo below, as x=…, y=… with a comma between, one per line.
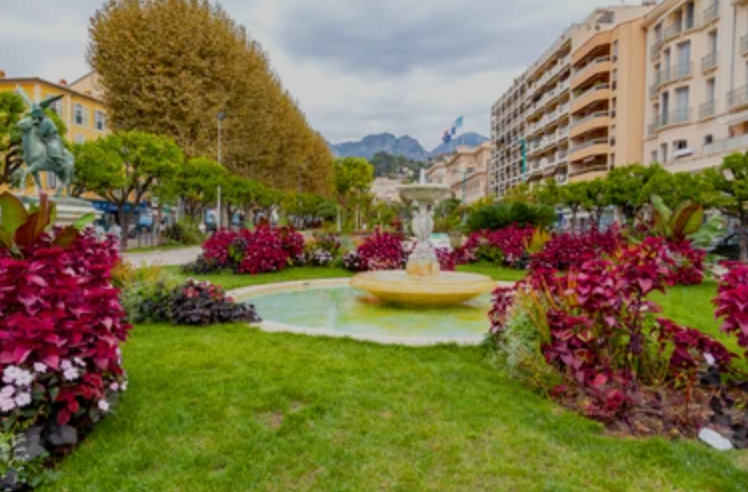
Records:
x=114, y=386
x=71, y=374
x=123, y=386
x=9, y=374
x=65, y=365
x=709, y=358
x=103, y=406
x=24, y=378
x=7, y=404
x=23, y=399
x=7, y=391
x=79, y=361
x=40, y=367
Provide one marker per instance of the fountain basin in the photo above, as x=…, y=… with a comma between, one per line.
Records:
x=447, y=288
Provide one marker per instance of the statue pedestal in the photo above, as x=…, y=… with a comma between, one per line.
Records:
x=68, y=209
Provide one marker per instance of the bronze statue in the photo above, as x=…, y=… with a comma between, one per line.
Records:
x=43, y=149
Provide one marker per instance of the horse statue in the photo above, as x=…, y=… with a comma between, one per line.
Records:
x=43, y=149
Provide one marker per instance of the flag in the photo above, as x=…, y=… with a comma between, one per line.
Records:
x=454, y=131
x=446, y=137
x=458, y=122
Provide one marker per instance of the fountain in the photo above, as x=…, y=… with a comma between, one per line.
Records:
x=422, y=282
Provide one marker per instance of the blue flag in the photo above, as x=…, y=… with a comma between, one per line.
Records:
x=454, y=131
x=458, y=123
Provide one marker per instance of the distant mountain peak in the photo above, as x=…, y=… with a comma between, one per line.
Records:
x=405, y=146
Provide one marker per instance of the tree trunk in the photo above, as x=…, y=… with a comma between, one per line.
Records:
x=573, y=220
x=124, y=225
x=743, y=238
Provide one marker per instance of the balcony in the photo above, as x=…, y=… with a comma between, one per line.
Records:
x=599, y=92
x=654, y=51
x=744, y=45
x=707, y=110
x=675, y=117
x=590, y=148
x=673, y=74
x=727, y=145
x=673, y=31
x=711, y=13
x=709, y=62
x=599, y=65
x=738, y=98
x=593, y=121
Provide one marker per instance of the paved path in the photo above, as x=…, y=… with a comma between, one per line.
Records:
x=165, y=257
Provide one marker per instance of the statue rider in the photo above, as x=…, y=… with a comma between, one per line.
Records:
x=49, y=134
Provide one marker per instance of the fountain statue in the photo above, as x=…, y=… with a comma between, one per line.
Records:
x=422, y=282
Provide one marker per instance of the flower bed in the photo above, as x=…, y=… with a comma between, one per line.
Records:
x=590, y=338
x=501, y=247
x=263, y=250
x=61, y=324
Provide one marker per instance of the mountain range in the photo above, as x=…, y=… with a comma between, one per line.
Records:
x=405, y=146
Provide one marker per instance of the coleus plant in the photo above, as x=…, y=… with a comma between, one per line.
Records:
x=685, y=223
x=20, y=230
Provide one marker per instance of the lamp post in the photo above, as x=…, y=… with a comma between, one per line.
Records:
x=221, y=117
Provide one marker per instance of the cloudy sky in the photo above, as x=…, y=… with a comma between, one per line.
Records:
x=356, y=66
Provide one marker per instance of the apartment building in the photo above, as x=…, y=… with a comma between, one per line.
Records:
x=82, y=109
x=465, y=172
x=561, y=117
x=697, y=79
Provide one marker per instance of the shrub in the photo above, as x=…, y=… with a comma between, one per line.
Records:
x=732, y=303
x=61, y=323
x=327, y=242
x=202, y=303
x=596, y=329
x=184, y=232
x=565, y=250
x=519, y=214
x=263, y=250
x=500, y=247
x=380, y=251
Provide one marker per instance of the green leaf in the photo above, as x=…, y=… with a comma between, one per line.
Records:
x=712, y=228
x=84, y=221
x=687, y=219
x=66, y=237
x=6, y=238
x=13, y=212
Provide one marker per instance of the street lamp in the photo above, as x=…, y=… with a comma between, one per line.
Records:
x=221, y=117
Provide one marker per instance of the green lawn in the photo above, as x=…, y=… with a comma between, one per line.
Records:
x=231, y=408
x=150, y=249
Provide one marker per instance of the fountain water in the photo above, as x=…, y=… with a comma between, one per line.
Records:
x=422, y=282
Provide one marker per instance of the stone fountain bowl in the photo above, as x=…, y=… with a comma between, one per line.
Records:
x=426, y=193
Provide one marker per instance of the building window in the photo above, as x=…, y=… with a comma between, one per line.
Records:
x=663, y=151
x=56, y=106
x=79, y=114
x=708, y=139
x=79, y=138
x=654, y=157
x=99, y=120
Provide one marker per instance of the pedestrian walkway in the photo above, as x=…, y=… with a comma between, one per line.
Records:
x=164, y=257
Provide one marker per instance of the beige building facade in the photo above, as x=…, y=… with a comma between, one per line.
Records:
x=465, y=172
x=562, y=118
x=697, y=79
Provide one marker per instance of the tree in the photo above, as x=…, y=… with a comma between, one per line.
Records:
x=730, y=182
x=352, y=178
x=12, y=109
x=171, y=66
x=548, y=193
x=196, y=185
x=575, y=197
x=519, y=193
x=625, y=185
x=124, y=167
x=598, y=198
x=240, y=194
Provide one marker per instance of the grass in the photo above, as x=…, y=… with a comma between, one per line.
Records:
x=495, y=272
x=233, y=408
x=230, y=408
